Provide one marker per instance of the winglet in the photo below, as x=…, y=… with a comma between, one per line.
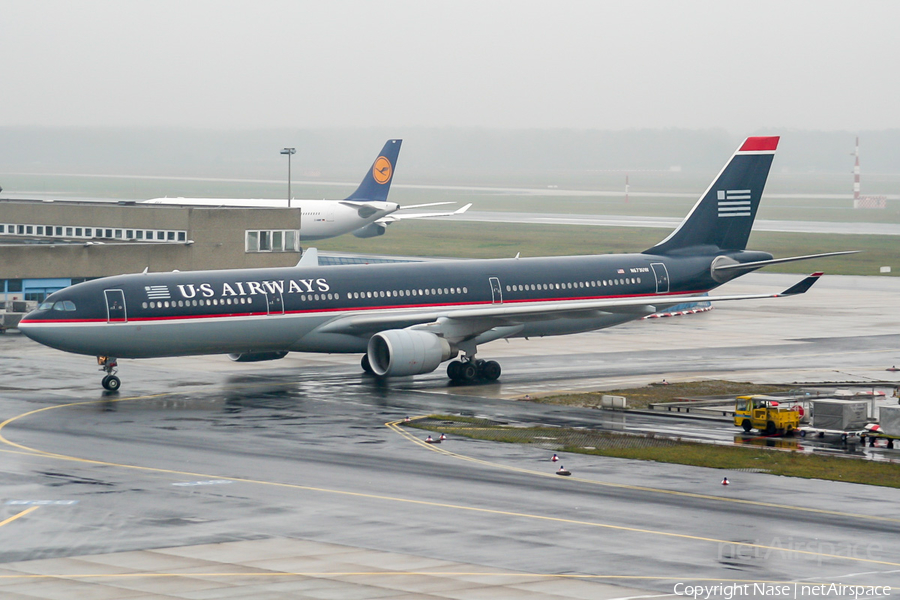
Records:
x=460, y=211
x=801, y=287
x=310, y=258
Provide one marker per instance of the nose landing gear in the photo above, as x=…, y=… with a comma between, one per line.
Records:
x=471, y=369
x=109, y=364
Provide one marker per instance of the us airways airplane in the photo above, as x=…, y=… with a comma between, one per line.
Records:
x=365, y=213
x=408, y=318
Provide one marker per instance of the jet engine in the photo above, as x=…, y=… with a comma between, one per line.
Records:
x=399, y=352
x=371, y=230
x=256, y=356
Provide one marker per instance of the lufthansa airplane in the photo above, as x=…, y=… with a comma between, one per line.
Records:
x=365, y=213
x=408, y=318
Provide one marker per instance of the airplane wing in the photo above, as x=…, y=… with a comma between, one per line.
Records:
x=468, y=322
x=424, y=205
x=399, y=216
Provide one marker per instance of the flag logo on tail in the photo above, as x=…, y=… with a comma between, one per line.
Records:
x=734, y=203
x=157, y=292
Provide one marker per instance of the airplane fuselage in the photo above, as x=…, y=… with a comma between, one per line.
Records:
x=319, y=219
x=289, y=309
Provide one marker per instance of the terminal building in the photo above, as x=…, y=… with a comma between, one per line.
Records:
x=46, y=246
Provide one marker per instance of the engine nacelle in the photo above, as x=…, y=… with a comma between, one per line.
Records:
x=399, y=352
x=371, y=230
x=256, y=356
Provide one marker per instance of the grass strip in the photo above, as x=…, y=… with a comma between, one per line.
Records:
x=441, y=238
x=668, y=450
x=643, y=397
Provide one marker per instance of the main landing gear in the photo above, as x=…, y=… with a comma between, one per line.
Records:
x=472, y=369
x=110, y=381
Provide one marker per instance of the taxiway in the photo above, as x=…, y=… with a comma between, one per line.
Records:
x=209, y=479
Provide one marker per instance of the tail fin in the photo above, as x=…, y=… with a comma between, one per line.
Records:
x=724, y=214
x=377, y=182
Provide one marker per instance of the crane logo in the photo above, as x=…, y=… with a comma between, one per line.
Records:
x=382, y=170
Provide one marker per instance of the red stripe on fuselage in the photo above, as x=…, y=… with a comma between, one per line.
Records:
x=362, y=308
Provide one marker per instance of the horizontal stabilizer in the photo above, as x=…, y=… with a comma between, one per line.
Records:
x=801, y=287
x=775, y=261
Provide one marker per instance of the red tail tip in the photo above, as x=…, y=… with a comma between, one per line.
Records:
x=760, y=144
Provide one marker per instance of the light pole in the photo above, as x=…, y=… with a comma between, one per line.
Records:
x=289, y=151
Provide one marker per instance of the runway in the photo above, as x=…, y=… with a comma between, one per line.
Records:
x=209, y=479
x=552, y=218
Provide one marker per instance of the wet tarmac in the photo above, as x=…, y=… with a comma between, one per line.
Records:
x=197, y=455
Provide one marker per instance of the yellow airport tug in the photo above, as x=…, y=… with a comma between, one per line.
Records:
x=767, y=414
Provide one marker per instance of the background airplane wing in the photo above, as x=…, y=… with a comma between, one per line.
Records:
x=399, y=216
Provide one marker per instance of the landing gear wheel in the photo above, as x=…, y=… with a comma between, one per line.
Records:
x=111, y=383
x=453, y=370
x=365, y=364
x=489, y=370
x=467, y=371
x=746, y=425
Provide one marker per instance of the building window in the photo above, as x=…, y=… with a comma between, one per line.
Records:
x=182, y=236
x=139, y=234
x=252, y=241
x=170, y=236
x=280, y=240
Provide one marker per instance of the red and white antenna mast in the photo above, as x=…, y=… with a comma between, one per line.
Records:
x=856, y=176
x=860, y=201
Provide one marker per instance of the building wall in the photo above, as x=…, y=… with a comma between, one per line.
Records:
x=217, y=235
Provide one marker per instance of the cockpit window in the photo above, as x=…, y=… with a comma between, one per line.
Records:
x=66, y=305
x=69, y=305
x=59, y=306
x=45, y=306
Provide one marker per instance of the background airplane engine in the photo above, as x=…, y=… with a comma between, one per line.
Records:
x=399, y=352
x=371, y=230
x=256, y=356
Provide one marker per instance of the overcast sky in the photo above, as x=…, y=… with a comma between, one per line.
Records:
x=609, y=65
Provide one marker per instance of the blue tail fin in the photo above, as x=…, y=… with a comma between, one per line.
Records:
x=724, y=215
x=377, y=182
